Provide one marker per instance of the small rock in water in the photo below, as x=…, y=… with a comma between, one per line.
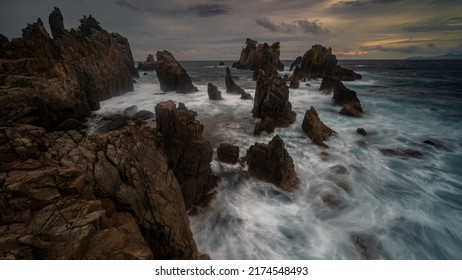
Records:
x=361, y=131
x=402, y=153
x=331, y=200
x=228, y=153
x=131, y=111
x=433, y=142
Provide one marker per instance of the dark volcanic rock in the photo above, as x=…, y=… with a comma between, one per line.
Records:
x=142, y=115
x=172, y=76
x=252, y=56
x=228, y=153
x=213, y=92
x=66, y=196
x=319, y=61
x=149, y=65
x=46, y=81
x=271, y=103
x=361, y=131
x=231, y=86
x=328, y=84
x=434, y=142
x=348, y=99
x=315, y=128
x=246, y=96
x=271, y=162
x=294, y=83
x=188, y=152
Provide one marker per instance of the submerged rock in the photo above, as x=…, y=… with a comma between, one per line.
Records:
x=402, y=153
x=48, y=80
x=246, y=96
x=67, y=196
x=271, y=103
x=361, y=131
x=315, y=128
x=149, y=65
x=272, y=163
x=231, y=86
x=188, y=152
x=213, y=92
x=172, y=76
x=228, y=153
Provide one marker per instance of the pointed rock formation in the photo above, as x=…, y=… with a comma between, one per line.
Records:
x=348, y=99
x=172, y=76
x=231, y=86
x=189, y=154
x=251, y=56
x=271, y=163
x=228, y=153
x=45, y=81
x=213, y=92
x=149, y=65
x=315, y=128
x=271, y=103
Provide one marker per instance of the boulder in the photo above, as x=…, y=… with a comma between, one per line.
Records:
x=142, y=115
x=231, y=86
x=315, y=128
x=271, y=103
x=246, y=96
x=344, y=74
x=228, y=153
x=213, y=92
x=294, y=83
x=46, y=81
x=272, y=163
x=252, y=55
x=67, y=196
x=149, y=65
x=361, y=131
x=188, y=152
x=131, y=111
x=348, y=99
x=172, y=76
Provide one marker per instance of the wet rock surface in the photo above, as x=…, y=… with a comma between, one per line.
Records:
x=213, y=92
x=252, y=56
x=149, y=65
x=315, y=128
x=231, y=86
x=228, y=153
x=172, y=76
x=272, y=163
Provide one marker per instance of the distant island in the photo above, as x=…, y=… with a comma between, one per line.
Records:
x=444, y=56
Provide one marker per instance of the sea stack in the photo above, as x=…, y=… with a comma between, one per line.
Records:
x=172, y=76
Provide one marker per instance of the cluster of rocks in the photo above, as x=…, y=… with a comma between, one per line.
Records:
x=121, y=194
x=149, y=65
x=45, y=81
x=253, y=55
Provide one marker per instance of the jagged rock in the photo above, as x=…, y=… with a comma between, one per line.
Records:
x=228, y=153
x=319, y=61
x=328, y=84
x=231, y=86
x=213, y=92
x=149, y=65
x=188, y=152
x=251, y=56
x=331, y=200
x=348, y=99
x=315, y=128
x=271, y=163
x=294, y=83
x=67, y=196
x=46, y=81
x=172, y=76
x=361, y=131
x=271, y=103
x=246, y=96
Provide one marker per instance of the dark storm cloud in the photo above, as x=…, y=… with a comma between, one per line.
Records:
x=437, y=25
x=128, y=5
x=362, y=3
x=297, y=26
x=209, y=10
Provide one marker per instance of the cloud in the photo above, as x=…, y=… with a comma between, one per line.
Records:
x=209, y=10
x=437, y=25
x=297, y=26
x=362, y=3
x=405, y=49
x=126, y=4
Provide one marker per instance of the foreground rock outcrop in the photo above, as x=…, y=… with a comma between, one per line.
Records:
x=318, y=62
x=172, y=76
x=271, y=103
x=189, y=154
x=315, y=128
x=45, y=81
x=67, y=196
x=252, y=56
x=272, y=163
x=149, y=65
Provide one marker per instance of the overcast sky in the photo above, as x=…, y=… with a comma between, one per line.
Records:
x=217, y=29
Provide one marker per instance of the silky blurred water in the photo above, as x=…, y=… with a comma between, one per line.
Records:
x=397, y=207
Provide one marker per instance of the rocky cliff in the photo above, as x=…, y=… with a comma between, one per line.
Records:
x=45, y=81
x=66, y=196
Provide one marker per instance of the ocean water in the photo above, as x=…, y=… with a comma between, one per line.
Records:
x=384, y=207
